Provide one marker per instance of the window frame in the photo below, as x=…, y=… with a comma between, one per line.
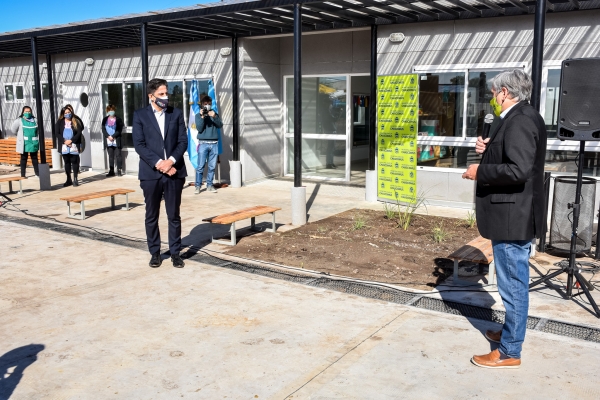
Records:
x=33, y=94
x=317, y=136
x=14, y=85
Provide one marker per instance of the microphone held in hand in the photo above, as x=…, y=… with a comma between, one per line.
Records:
x=487, y=123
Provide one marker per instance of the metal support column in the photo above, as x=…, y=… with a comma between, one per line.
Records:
x=50, y=72
x=538, y=52
x=235, y=98
x=298, y=191
x=297, y=95
x=38, y=100
x=373, y=101
x=144, y=46
x=371, y=172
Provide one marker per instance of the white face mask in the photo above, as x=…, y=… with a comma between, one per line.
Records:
x=207, y=107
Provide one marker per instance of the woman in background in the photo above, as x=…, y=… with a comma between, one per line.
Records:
x=111, y=128
x=68, y=134
x=28, y=141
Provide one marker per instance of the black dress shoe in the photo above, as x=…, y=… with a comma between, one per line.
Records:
x=177, y=261
x=156, y=260
x=75, y=182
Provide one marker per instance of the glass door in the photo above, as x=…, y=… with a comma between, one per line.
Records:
x=325, y=121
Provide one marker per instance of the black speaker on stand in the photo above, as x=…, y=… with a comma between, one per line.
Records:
x=578, y=119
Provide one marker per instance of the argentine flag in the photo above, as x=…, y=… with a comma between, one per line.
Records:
x=192, y=132
x=213, y=96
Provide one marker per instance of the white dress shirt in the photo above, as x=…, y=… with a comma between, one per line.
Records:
x=160, y=118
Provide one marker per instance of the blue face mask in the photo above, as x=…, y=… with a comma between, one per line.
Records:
x=68, y=116
x=111, y=113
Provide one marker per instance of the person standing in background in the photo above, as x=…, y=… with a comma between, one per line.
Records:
x=208, y=123
x=28, y=141
x=68, y=134
x=112, y=127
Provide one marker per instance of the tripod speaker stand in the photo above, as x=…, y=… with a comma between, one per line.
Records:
x=578, y=120
x=571, y=268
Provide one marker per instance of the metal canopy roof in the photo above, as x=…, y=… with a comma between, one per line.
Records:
x=258, y=18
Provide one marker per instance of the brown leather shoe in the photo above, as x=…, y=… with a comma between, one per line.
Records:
x=494, y=336
x=493, y=360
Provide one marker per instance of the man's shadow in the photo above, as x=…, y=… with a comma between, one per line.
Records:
x=12, y=366
x=470, y=301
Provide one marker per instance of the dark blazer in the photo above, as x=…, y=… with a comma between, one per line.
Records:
x=151, y=147
x=118, y=131
x=77, y=133
x=510, y=179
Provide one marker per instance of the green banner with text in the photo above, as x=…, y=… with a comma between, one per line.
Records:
x=398, y=124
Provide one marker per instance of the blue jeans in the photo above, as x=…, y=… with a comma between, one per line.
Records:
x=512, y=272
x=207, y=151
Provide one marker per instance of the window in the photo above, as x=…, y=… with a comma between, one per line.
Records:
x=13, y=93
x=441, y=98
x=45, y=92
x=478, y=101
x=112, y=93
x=133, y=100
x=176, y=94
x=323, y=105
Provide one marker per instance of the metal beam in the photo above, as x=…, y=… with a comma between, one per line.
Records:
x=177, y=28
x=518, y=4
x=575, y=4
x=373, y=13
x=38, y=100
x=327, y=18
x=414, y=8
x=444, y=9
x=297, y=95
x=391, y=9
x=144, y=56
x=340, y=12
x=257, y=27
x=201, y=24
x=538, y=52
x=466, y=7
x=490, y=4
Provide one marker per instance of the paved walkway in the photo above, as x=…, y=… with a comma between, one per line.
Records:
x=82, y=319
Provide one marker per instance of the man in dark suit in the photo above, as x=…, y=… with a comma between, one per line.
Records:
x=510, y=205
x=160, y=139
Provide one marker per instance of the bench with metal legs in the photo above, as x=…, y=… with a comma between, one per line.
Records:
x=232, y=218
x=10, y=181
x=82, y=198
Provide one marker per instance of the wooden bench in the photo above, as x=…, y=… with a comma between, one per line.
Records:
x=10, y=180
x=233, y=217
x=478, y=250
x=81, y=198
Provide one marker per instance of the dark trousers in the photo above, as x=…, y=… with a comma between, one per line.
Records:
x=154, y=190
x=112, y=152
x=71, y=163
x=34, y=162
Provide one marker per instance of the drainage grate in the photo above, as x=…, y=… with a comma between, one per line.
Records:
x=574, y=331
x=356, y=288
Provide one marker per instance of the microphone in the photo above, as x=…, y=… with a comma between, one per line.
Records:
x=487, y=123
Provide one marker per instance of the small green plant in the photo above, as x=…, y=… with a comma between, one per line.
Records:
x=439, y=233
x=321, y=229
x=471, y=219
x=406, y=212
x=359, y=223
x=390, y=212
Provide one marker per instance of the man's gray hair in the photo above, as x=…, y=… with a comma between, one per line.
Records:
x=517, y=82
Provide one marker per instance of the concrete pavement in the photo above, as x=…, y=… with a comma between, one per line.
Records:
x=104, y=325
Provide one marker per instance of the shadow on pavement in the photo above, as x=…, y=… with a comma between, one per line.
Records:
x=12, y=366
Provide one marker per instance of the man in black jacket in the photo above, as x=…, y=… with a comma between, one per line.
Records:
x=510, y=205
x=160, y=139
